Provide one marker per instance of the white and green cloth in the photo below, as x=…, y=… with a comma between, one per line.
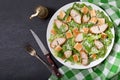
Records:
x=109, y=68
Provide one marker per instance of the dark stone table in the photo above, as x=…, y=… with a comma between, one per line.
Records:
x=15, y=63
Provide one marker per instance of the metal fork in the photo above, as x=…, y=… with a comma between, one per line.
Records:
x=33, y=53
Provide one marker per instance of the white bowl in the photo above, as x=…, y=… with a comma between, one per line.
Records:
x=68, y=64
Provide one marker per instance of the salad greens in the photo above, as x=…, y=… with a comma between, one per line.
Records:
x=70, y=44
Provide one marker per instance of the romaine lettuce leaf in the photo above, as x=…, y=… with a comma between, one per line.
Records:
x=87, y=44
x=73, y=24
x=94, y=50
x=100, y=14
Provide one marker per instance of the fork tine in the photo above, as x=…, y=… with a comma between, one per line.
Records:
x=28, y=48
x=32, y=52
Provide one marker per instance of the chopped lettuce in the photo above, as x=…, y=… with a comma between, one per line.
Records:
x=102, y=52
x=67, y=14
x=107, y=42
x=51, y=38
x=109, y=34
x=73, y=24
x=69, y=44
x=62, y=28
x=88, y=25
x=78, y=6
x=89, y=38
x=89, y=7
x=94, y=50
x=100, y=14
x=94, y=37
x=56, y=29
x=87, y=44
x=75, y=51
x=60, y=54
x=70, y=59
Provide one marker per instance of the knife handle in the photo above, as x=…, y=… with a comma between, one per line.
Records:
x=53, y=66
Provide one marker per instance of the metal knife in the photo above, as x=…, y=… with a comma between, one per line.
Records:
x=46, y=53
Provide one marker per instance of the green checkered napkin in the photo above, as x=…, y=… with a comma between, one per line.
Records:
x=109, y=68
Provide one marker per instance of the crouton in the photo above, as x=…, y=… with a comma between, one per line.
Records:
x=93, y=20
x=58, y=48
x=69, y=34
x=75, y=58
x=78, y=46
x=84, y=30
x=92, y=13
x=103, y=35
x=85, y=10
x=75, y=31
x=69, y=18
x=101, y=21
x=62, y=14
x=93, y=56
x=53, y=32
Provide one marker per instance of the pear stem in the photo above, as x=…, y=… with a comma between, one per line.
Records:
x=34, y=15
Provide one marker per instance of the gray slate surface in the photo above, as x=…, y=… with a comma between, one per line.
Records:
x=15, y=63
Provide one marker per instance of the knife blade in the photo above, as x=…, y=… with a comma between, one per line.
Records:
x=39, y=42
x=47, y=54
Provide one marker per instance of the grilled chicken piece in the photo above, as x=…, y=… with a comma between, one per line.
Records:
x=98, y=29
x=62, y=14
x=84, y=58
x=98, y=44
x=60, y=23
x=61, y=41
x=53, y=44
x=85, y=18
x=103, y=27
x=76, y=16
x=95, y=30
x=79, y=37
x=57, y=41
x=84, y=10
x=67, y=53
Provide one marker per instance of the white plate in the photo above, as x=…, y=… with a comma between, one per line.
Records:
x=68, y=64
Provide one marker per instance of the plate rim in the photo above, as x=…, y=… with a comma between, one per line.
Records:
x=61, y=61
